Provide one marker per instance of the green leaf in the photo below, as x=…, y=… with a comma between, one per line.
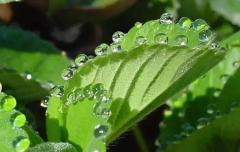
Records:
x=140, y=78
x=219, y=136
x=53, y=147
x=230, y=9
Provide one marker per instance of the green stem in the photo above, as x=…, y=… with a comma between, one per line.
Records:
x=140, y=140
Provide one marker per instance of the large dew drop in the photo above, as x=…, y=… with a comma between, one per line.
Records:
x=81, y=59
x=184, y=23
x=67, y=74
x=200, y=24
x=96, y=146
x=181, y=40
x=20, y=144
x=140, y=40
x=161, y=38
x=166, y=19
x=101, y=131
x=8, y=102
x=57, y=91
x=115, y=47
x=205, y=35
x=17, y=119
x=87, y=91
x=44, y=102
x=118, y=36
x=101, y=49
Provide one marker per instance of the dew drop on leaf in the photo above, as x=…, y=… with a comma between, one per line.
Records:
x=224, y=78
x=8, y=102
x=17, y=119
x=161, y=38
x=115, y=47
x=184, y=23
x=201, y=122
x=71, y=98
x=166, y=19
x=235, y=64
x=81, y=59
x=234, y=106
x=211, y=108
x=101, y=49
x=102, y=96
x=79, y=94
x=96, y=146
x=44, y=102
x=97, y=87
x=118, y=36
x=138, y=25
x=20, y=144
x=99, y=107
x=200, y=24
x=106, y=113
x=101, y=131
x=214, y=45
x=87, y=91
x=67, y=74
x=181, y=40
x=140, y=40
x=57, y=91
x=28, y=75
x=221, y=50
x=205, y=35
x=217, y=92
x=218, y=114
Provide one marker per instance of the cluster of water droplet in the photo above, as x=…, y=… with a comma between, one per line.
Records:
x=16, y=119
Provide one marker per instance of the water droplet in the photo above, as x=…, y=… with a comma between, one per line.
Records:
x=205, y=35
x=115, y=47
x=63, y=108
x=96, y=146
x=17, y=119
x=81, y=59
x=221, y=50
x=79, y=94
x=97, y=87
x=224, y=78
x=73, y=68
x=28, y=75
x=87, y=91
x=202, y=122
x=20, y=144
x=214, y=45
x=67, y=74
x=211, y=108
x=51, y=85
x=161, y=38
x=178, y=138
x=217, y=92
x=99, y=107
x=200, y=24
x=57, y=91
x=71, y=98
x=235, y=64
x=181, y=40
x=8, y=102
x=44, y=102
x=90, y=57
x=184, y=23
x=106, y=113
x=101, y=49
x=234, y=106
x=101, y=131
x=138, y=25
x=218, y=114
x=102, y=95
x=140, y=40
x=166, y=19
x=189, y=130
x=118, y=36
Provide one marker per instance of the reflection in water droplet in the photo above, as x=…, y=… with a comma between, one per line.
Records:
x=101, y=131
x=181, y=40
x=96, y=146
x=166, y=19
x=211, y=108
x=28, y=75
x=20, y=144
x=67, y=74
x=235, y=64
x=57, y=91
x=8, y=102
x=205, y=35
x=17, y=119
x=224, y=78
x=200, y=24
x=101, y=49
x=81, y=59
x=44, y=102
x=235, y=106
x=217, y=92
x=184, y=23
x=115, y=47
x=118, y=36
x=218, y=114
x=87, y=91
x=138, y=25
x=140, y=40
x=202, y=122
x=161, y=38
x=106, y=113
x=214, y=45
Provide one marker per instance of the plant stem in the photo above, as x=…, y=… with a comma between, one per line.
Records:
x=140, y=140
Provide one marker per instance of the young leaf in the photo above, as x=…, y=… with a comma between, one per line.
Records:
x=142, y=70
